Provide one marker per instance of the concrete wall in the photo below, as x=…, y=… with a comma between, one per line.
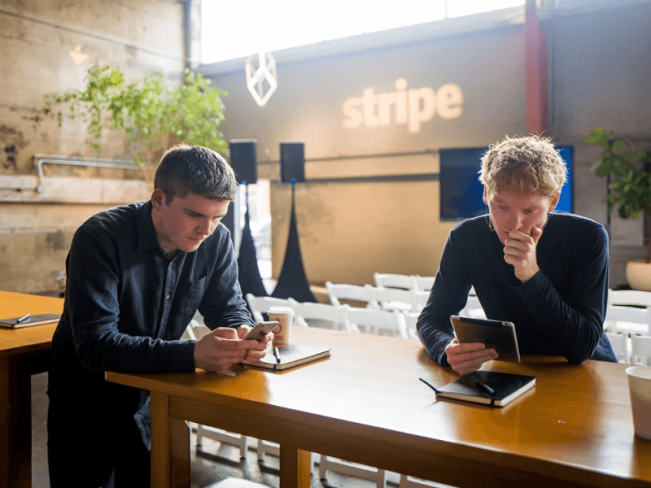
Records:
x=353, y=228
x=48, y=46
x=600, y=72
x=598, y=75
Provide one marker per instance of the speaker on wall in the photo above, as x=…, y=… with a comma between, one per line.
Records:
x=244, y=160
x=292, y=161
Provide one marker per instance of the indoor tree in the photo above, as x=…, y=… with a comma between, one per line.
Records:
x=153, y=115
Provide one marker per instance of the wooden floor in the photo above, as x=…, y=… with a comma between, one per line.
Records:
x=212, y=463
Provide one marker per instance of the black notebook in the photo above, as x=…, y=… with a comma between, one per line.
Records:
x=40, y=319
x=507, y=387
x=291, y=355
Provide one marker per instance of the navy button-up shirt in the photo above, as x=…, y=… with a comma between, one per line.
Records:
x=127, y=305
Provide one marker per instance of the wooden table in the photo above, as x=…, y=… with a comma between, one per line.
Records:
x=366, y=404
x=23, y=352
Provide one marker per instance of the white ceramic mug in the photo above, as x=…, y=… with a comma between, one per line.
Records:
x=639, y=384
x=284, y=316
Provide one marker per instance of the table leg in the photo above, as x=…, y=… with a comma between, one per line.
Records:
x=180, y=439
x=161, y=466
x=294, y=467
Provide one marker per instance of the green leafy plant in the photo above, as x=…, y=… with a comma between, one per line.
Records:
x=629, y=175
x=152, y=115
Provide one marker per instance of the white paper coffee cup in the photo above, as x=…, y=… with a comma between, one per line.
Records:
x=284, y=316
x=639, y=384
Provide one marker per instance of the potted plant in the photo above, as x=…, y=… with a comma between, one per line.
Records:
x=629, y=187
x=151, y=114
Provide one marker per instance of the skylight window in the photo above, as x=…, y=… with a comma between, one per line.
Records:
x=241, y=28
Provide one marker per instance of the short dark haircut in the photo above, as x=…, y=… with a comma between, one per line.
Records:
x=187, y=169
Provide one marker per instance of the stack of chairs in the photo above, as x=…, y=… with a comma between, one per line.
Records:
x=628, y=323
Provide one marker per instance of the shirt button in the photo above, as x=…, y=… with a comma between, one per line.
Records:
x=167, y=297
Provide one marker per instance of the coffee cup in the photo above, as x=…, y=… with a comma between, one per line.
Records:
x=639, y=385
x=284, y=316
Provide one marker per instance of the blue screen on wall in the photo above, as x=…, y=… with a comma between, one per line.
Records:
x=462, y=192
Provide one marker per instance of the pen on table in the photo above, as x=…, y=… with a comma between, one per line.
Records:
x=430, y=385
x=24, y=318
x=482, y=386
x=276, y=355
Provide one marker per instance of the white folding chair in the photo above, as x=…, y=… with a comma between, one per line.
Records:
x=388, y=280
x=424, y=283
x=355, y=293
x=641, y=350
x=473, y=308
x=420, y=300
x=391, y=322
x=639, y=316
x=195, y=331
x=411, y=320
x=619, y=341
x=627, y=320
x=260, y=305
x=392, y=298
x=320, y=314
x=411, y=482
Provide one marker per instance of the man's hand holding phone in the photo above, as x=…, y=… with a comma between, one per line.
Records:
x=224, y=347
x=469, y=356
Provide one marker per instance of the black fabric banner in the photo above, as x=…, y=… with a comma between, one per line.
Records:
x=247, y=262
x=293, y=281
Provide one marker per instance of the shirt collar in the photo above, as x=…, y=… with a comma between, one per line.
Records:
x=146, y=232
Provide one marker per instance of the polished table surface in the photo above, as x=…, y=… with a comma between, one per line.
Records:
x=23, y=352
x=366, y=404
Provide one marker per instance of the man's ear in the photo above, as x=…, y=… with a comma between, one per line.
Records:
x=486, y=195
x=554, y=202
x=157, y=198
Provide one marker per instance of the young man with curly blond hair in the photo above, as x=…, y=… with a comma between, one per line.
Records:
x=545, y=271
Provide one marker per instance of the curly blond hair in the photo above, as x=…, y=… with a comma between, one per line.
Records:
x=525, y=165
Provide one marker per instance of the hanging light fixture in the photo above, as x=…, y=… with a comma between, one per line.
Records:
x=261, y=80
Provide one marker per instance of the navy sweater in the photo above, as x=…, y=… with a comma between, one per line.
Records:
x=560, y=311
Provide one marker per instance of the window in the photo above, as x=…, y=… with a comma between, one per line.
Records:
x=242, y=28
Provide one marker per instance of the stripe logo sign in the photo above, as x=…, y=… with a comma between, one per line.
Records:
x=411, y=107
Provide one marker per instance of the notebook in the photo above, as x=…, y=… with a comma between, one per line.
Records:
x=39, y=319
x=507, y=387
x=291, y=356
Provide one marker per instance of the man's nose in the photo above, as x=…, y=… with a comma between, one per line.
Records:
x=518, y=222
x=204, y=228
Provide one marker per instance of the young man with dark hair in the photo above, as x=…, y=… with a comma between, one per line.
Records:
x=136, y=275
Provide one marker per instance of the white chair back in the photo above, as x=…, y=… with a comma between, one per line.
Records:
x=333, y=315
x=637, y=298
x=195, y=330
x=473, y=308
x=622, y=319
x=341, y=291
x=411, y=320
x=641, y=350
x=388, y=280
x=420, y=300
x=373, y=321
x=260, y=305
x=424, y=283
x=392, y=298
x=619, y=342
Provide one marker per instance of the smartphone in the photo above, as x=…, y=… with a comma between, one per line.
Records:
x=260, y=330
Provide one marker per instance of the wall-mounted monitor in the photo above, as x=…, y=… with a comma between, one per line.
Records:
x=462, y=192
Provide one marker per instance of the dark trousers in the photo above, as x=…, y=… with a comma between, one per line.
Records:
x=92, y=447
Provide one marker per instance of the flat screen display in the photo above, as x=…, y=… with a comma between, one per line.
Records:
x=462, y=192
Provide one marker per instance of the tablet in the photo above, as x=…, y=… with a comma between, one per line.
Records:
x=494, y=333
